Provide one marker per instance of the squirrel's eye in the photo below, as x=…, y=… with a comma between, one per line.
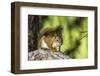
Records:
x=57, y=40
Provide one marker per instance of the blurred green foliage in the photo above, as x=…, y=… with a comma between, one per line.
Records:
x=74, y=33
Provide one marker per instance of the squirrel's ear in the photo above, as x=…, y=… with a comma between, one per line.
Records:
x=59, y=29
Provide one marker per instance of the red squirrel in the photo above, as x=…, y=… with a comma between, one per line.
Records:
x=51, y=39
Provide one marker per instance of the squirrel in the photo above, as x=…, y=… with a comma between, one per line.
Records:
x=51, y=39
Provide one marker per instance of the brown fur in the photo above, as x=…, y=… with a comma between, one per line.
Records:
x=50, y=37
